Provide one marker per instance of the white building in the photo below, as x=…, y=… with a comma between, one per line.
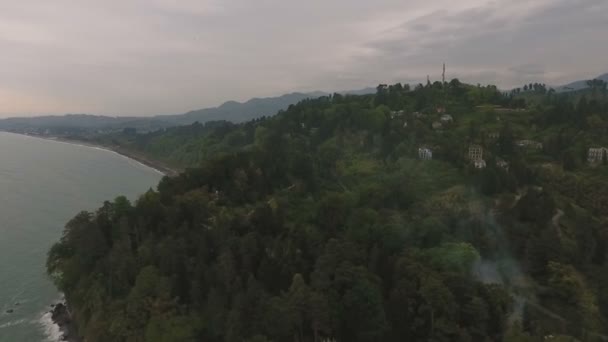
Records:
x=476, y=156
x=502, y=164
x=479, y=164
x=530, y=143
x=446, y=118
x=475, y=153
x=425, y=153
x=596, y=155
x=397, y=113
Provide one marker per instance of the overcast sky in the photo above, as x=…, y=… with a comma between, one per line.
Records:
x=145, y=57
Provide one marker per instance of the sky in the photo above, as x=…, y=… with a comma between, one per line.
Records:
x=148, y=57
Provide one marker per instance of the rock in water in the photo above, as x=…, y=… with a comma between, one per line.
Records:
x=61, y=316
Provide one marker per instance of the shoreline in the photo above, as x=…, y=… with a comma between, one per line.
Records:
x=64, y=328
x=156, y=165
x=57, y=322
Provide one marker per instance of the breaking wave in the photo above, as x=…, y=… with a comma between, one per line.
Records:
x=50, y=328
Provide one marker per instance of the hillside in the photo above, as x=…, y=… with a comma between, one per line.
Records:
x=255, y=108
x=236, y=112
x=356, y=218
x=579, y=85
x=239, y=112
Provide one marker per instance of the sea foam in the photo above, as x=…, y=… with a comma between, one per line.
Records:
x=51, y=329
x=12, y=323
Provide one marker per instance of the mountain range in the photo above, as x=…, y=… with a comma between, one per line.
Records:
x=229, y=111
x=579, y=85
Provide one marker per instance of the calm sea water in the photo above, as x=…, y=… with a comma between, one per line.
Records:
x=42, y=185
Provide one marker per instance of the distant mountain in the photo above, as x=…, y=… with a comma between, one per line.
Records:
x=84, y=121
x=229, y=111
x=239, y=112
x=578, y=85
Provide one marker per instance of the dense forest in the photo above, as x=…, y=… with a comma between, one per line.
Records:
x=330, y=222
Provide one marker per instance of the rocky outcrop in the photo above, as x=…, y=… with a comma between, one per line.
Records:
x=62, y=317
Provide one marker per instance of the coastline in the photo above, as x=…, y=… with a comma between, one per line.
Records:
x=57, y=323
x=63, y=327
x=156, y=165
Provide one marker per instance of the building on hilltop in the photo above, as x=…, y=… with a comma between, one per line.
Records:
x=479, y=164
x=436, y=125
x=596, y=155
x=476, y=156
x=530, y=143
x=502, y=164
x=425, y=153
x=397, y=113
x=475, y=152
x=494, y=135
x=446, y=118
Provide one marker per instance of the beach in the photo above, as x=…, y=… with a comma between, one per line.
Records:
x=159, y=166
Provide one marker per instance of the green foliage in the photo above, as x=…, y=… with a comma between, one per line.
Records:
x=320, y=223
x=458, y=257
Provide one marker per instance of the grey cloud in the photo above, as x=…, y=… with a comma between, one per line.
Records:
x=146, y=57
x=528, y=69
x=557, y=41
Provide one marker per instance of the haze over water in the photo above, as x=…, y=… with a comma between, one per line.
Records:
x=43, y=184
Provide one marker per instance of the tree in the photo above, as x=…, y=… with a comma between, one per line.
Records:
x=298, y=299
x=319, y=224
x=457, y=257
x=490, y=181
x=570, y=160
x=506, y=141
x=381, y=95
x=566, y=282
x=363, y=314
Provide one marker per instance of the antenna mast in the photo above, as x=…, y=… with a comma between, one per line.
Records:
x=445, y=90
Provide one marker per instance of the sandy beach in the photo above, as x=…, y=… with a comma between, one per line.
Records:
x=159, y=166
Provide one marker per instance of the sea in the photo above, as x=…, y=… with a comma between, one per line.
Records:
x=43, y=184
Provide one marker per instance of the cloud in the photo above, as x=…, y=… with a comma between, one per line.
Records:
x=147, y=57
x=506, y=43
x=528, y=69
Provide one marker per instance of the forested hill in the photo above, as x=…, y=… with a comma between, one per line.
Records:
x=579, y=85
x=358, y=218
x=239, y=112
